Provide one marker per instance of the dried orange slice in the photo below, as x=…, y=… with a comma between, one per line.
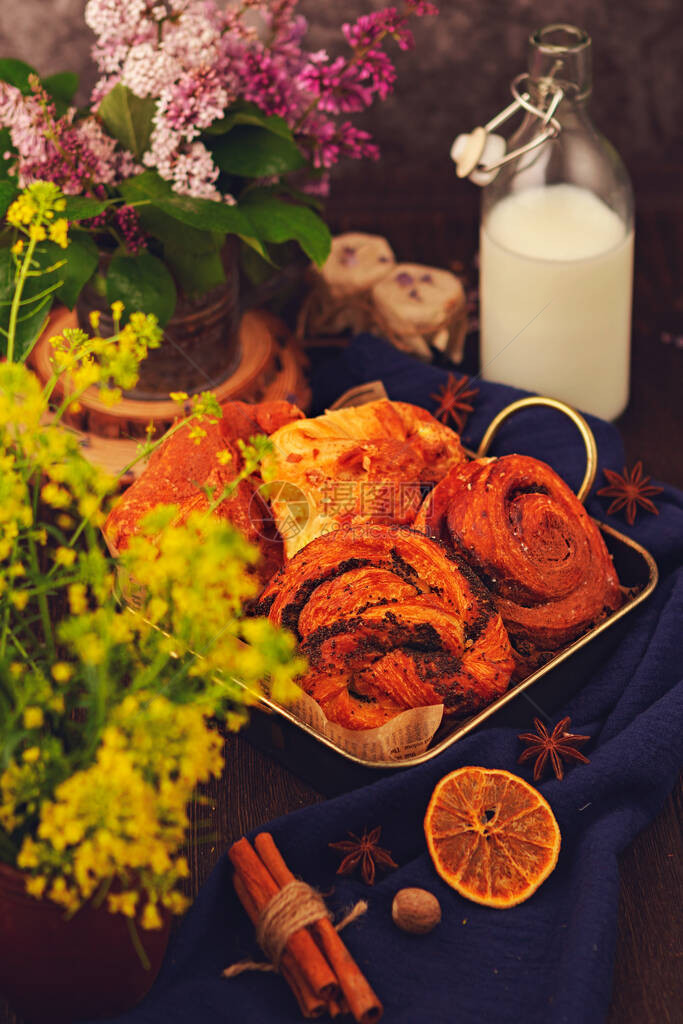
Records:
x=491, y=835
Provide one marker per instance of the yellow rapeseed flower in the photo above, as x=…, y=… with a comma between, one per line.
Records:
x=77, y=598
x=35, y=886
x=123, y=903
x=151, y=918
x=31, y=755
x=61, y=671
x=33, y=718
x=59, y=232
x=65, y=556
x=91, y=649
x=22, y=211
x=19, y=599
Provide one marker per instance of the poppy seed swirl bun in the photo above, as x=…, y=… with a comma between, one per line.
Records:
x=533, y=545
x=389, y=620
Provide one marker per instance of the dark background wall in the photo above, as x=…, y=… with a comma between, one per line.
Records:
x=458, y=74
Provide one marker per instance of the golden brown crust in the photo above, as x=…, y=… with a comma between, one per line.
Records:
x=368, y=463
x=532, y=543
x=389, y=621
x=180, y=470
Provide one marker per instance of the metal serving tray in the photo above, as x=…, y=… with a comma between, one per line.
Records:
x=330, y=769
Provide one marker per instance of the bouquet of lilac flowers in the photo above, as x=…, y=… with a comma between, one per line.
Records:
x=204, y=123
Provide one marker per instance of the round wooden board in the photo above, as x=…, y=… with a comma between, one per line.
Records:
x=271, y=367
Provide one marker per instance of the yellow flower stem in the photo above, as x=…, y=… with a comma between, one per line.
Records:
x=54, y=379
x=7, y=608
x=145, y=678
x=16, y=299
x=42, y=600
x=50, y=386
x=69, y=400
x=52, y=584
x=21, y=649
x=100, y=896
x=153, y=445
x=229, y=489
x=139, y=948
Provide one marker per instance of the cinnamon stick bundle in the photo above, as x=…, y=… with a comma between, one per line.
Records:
x=316, y=964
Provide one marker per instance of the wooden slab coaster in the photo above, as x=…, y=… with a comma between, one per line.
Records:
x=271, y=367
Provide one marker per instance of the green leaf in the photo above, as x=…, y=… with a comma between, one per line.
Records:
x=255, y=267
x=8, y=192
x=82, y=259
x=143, y=284
x=193, y=256
x=16, y=72
x=128, y=118
x=248, y=113
x=83, y=207
x=61, y=87
x=275, y=220
x=305, y=198
x=254, y=152
x=203, y=214
x=32, y=314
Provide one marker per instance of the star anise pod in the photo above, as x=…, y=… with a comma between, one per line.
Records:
x=455, y=401
x=364, y=851
x=554, y=746
x=629, y=491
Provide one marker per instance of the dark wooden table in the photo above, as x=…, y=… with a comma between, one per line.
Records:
x=437, y=224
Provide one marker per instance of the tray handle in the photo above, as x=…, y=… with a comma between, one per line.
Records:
x=576, y=418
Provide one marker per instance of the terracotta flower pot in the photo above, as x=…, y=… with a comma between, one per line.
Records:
x=201, y=340
x=56, y=970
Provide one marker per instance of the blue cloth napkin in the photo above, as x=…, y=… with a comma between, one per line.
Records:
x=549, y=959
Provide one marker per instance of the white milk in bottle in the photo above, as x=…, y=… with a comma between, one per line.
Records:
x=556, y=238
x=556, y=269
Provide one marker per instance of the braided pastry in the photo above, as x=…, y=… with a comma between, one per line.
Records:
x=388, y=621
x=532, y=543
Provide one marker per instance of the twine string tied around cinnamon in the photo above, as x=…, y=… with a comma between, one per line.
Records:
x=295, y=906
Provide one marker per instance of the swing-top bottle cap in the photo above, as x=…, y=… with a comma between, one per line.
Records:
x=559, y=66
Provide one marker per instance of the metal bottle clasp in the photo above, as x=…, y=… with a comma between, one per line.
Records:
x=470, y=152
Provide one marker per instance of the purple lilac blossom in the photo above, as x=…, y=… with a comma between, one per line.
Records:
x=74, y=155
x=202, y=59
x=196, y=59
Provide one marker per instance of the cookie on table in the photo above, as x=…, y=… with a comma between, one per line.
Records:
x=421, y=308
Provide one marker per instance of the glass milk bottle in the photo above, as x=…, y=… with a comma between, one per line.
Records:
x=556, y=241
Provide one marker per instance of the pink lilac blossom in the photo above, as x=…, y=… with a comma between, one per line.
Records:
x=369, y=28
x=24, y=117
x=73, y=154
x=128, y=225
x=196, y=60
x=422, y=8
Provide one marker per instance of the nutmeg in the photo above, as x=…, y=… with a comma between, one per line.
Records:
x=416, y=911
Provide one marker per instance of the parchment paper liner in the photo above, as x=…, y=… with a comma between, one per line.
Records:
x=408, y=733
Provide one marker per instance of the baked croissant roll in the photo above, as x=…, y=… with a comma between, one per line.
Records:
x=388, y=620
x=179, y=473
x=534, y=546
x=368, y=463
